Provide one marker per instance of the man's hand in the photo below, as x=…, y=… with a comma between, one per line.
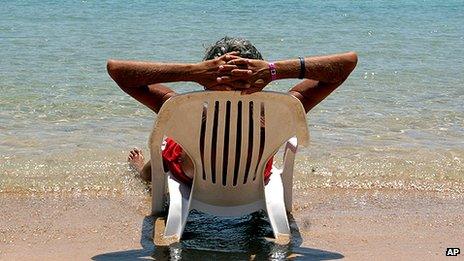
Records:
x=208, y=74
x=255, y=72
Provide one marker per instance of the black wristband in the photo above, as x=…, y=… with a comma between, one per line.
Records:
x=302, y=68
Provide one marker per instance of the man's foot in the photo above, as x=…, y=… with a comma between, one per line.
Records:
x=136, y=160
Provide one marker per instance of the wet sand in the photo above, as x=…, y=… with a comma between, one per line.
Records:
x=328, y=224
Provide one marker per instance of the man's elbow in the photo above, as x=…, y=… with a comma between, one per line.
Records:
x=347, y=65
x=352, y=61
x=111, y=67
x=116, y=72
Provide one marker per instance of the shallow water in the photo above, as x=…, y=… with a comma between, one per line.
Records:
x=210, y=238
x=397, y=122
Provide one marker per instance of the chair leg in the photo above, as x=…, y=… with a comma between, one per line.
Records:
x=275, y=208
x=287, y=172
x=158, y=197
x=158, y=188
x=178, y=210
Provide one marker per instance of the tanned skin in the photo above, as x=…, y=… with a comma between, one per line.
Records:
x=143, y=81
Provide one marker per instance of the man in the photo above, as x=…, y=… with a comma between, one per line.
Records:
x=229, y=64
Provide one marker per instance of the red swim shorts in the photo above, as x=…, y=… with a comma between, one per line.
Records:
x=171, y=158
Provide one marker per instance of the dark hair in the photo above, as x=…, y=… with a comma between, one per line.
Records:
x=230, y=44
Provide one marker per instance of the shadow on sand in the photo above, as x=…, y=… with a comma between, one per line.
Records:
x=228, y=239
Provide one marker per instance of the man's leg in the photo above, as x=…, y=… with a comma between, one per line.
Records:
x=137, y=161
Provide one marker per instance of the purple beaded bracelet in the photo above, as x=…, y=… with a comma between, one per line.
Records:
x=273, y=71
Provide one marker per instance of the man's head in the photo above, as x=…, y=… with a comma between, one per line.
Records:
x=230, y=44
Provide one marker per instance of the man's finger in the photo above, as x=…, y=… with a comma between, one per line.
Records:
x=228, y=57
x=227, y=67
x=232, y=78
x=224, y=79
x=233, y=53
x=229, y=78
x=241, y=73
x=236, y=82
x=239, y=61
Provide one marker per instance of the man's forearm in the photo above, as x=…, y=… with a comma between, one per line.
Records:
x=129, y=74
x=323, y=75
x=330, y=69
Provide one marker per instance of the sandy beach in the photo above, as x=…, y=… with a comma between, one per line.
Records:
x=328, y=224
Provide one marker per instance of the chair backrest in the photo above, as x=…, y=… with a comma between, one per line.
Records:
x=229, y=137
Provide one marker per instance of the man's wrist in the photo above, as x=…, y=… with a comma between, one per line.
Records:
x=287, y=69
x=195, y=72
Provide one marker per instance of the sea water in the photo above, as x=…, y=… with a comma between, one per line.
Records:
x=397, y=122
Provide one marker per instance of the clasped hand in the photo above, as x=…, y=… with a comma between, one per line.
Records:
x=232, y=72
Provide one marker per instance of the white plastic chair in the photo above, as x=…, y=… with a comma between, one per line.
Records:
x=229, y=158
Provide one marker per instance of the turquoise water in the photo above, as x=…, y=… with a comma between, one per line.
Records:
x=397, y=122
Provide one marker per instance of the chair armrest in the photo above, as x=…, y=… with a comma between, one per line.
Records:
x=287, y=172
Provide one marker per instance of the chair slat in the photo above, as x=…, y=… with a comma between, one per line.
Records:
x=232, y=143
x=220, y=141
x=256, y=140
x=244, y=143
x=208, y=138
x=202, y=139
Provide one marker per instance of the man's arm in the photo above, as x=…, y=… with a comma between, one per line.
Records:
x=330, y=69
x=312, y=92
x=133, y=74
x=323, y=75
x=142, y=80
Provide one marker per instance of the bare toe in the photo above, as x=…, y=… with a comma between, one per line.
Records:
x=136, y=159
